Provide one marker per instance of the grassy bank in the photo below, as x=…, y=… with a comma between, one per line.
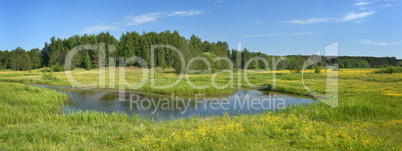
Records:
x=21, y=104
x=286, y=82
x=368, y=117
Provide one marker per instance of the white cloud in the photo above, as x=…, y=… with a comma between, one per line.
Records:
x=99, y=28
x=380, y=43
x=308, y=21
x=218, y=2
x=361, y=3
x=386, y=5
x=185, y=13
x=262, y=35
x=279, y=34
x=136, y=20
x=355, y=16
x=303, y=33
x=257, y=22
x=66, y=36
x=359, y=21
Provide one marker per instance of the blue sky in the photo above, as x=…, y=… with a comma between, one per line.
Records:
x=362, y=28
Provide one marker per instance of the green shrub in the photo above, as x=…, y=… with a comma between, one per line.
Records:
x=390, y=69
x=57, y=67
x=87, y=62
x=317, y=69
x=48, y=74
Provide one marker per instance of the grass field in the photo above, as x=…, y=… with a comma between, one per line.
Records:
x=368, y=116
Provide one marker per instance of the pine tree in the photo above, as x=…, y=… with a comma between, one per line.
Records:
x=76, y=61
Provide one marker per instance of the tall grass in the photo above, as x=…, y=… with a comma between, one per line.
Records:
x=22, y=104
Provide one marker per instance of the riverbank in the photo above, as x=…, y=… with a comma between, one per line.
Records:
x=213, y=84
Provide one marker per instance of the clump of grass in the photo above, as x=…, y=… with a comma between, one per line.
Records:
x=48, y=74
x=22, y=104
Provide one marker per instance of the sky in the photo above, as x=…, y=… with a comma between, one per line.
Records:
x=361, y=28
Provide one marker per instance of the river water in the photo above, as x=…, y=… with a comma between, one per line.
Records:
x=171, y=106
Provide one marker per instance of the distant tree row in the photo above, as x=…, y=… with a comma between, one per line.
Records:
x=19, y=59
x=133, y=44
x=373, y=62
x=350, y=61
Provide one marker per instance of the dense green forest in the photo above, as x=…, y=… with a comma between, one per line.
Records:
x=133, y=44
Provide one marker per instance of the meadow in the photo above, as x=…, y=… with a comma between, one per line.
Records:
x=368, y=115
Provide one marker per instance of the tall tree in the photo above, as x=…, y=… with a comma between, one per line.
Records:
x=87, y=62
x=298, y=64
x=20, y=60
x=34, y=54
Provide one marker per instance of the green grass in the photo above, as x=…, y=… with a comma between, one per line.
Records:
x=22, y=104
x=166, y=77
x=368, y=117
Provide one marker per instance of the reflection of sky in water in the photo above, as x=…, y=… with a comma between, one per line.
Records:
x=242, y=101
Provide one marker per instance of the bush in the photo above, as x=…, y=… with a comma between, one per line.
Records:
x=317, y=69
x=390, y=70
x=57, y=67
x=48, y=74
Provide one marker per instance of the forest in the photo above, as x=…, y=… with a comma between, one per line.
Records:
x=134, y=44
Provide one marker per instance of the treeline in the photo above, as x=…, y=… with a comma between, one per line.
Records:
x=19, y=59
x=367, y=62
x=130, y=44
x=352, y=61
x=133, y=44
